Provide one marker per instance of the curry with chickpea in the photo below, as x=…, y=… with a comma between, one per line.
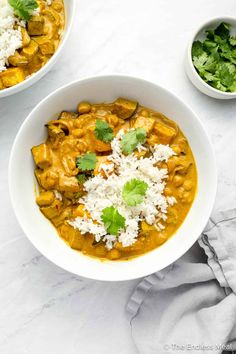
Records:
x=60, y=186
x=41, y=37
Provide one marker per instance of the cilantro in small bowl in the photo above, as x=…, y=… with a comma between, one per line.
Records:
x=211, y=58
x=215, y=58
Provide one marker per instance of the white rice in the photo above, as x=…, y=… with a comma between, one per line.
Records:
x=106, y=191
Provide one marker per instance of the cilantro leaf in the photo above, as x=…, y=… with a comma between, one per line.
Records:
x=226, y=73
x=200, y=61
x=81, y=178
x=112, y=220
x=223, y=30
x=130, y=140
x=103, y=131
x=23, y=8
x=209, y=46
x=232, y=41
x=197, y=49
x=134, y=191
x=86, y=162
x=209, y=76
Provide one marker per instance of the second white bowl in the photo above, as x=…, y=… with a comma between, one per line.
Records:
x=70, y=8
x=194, y=77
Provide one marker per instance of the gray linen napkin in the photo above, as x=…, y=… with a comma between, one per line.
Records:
x=190, y=306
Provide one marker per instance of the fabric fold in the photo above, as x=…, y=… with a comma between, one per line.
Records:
x=190, y=306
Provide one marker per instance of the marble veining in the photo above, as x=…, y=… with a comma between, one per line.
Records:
x=44, y=309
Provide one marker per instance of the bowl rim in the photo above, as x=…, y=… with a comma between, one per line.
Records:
x=189, y=54
x=32, y=79
x=116, y=277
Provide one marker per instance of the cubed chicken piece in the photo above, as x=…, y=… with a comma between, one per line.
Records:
x=144, y=122
x=57, y=5
x=25, y=37
x=96, y=144
x=76, y=240
x=108, y=166
x=36, y=26
x=101, y=146
x=53, y=16
x=53, y=210
x=124, y=108
x=47, y=48
x=164, y=133
x=55, y=132
x=42, y=156
x=45, y=198
x=47, y=179
x=72, y=236
x=18, y=60
x=36, y=63
x=64, y=231
x=60, y=219
x=68, y=184
x=12, y=76
x=51, y=30
x=30, y=50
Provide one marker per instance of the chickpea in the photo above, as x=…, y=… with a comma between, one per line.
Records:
x=176, y=149
x=82, y=146
x=71, y=163
x=78, y=123
x=181, y=192
x=78, y=132
x=188, y=185
x=57, y=6
x=168, y=192
x=113, y=254
x=178, y=180
x=112, y=119
x=84, y=107
x=144, y=113
x=186, y=198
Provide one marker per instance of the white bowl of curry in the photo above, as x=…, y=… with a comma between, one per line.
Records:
x=33, y=38
x=116, y=177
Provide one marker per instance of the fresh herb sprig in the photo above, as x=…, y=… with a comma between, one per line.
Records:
x=103, y=131
x=112, y=220
x=215, y=58
x=130, y=140
x=81, y=178
x=87, y=162
x=134, y=191
x=23, y=8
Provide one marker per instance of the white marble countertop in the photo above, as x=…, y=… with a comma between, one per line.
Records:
x=44, y=309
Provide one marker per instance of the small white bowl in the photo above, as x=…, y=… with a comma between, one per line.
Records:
x=22, y=181
x=196, y=79
x=70, y=8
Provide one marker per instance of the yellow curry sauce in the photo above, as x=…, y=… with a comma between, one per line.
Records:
x=40, y=39
x=72, y=135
